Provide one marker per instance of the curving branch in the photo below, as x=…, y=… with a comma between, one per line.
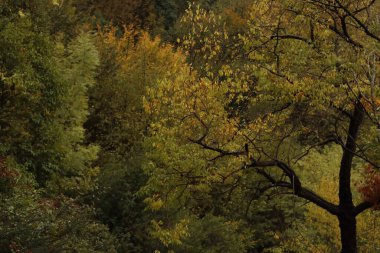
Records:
x=362, y=207
x=358, y=21
x=294, y=184
x=290, y=36
x=218, y=150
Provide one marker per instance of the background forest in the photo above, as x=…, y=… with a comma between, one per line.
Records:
x=189, y=126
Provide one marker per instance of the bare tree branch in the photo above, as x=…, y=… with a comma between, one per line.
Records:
x=294, y=184
x=362, y=207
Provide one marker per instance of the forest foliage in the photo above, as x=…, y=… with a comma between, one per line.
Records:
x=189, y=126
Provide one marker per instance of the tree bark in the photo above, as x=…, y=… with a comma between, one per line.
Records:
x=346, y=215
x=347, y=224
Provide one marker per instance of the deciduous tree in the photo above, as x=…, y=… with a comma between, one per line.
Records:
x=315, y=64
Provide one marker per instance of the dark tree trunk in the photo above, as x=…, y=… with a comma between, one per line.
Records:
x=347, y=224
x=346, y=214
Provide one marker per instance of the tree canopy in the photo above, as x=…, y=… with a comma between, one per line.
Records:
x=175, y=126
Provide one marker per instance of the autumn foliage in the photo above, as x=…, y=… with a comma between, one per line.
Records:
x=370, y=190
x=168, y=126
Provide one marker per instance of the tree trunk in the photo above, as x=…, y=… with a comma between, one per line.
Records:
x=346, y=214
x=347, y=224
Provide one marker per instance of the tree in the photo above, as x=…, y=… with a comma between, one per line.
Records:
x=320, y=230
x=315, y=64
x=45, y=168
x=212, y=45
x=30, y=221
x=130, y=63
x=44, y=84
x=139, y=13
